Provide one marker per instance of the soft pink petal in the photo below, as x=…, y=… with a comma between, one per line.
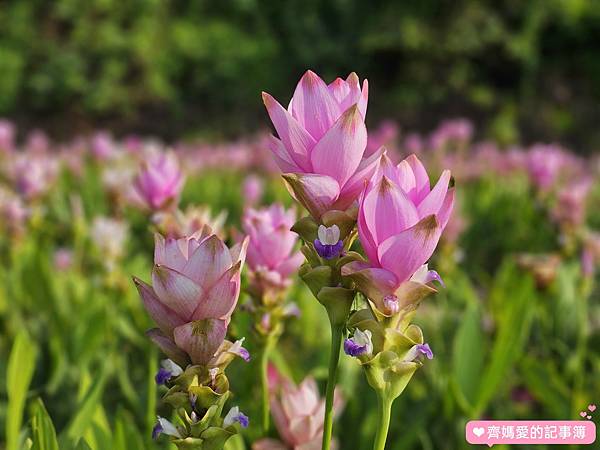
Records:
x=313, y=106
x=281, y=155
x=314, y=444
x=281, y=421
x=168, y=347
x=304, y=428
x=339, y=89
x=238, y=251
x=300, y=400
x=201, y=339
x=176, y=290
x=374, y=282
x=209, y=262
x=356, y=183
x=446, y=210
x=269, y=444
x=290, y=265
x=385, y=167
x=388, y=210
x=422, y=186
x=365, y=236
x=165, y=317
x=317, y=193
x=340, y=150
x=221, y=299
x=297, y=141
x=434, y=200
x=404, y=253
x=168, y=253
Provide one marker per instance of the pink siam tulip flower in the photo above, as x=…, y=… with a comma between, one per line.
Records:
x=546, y=163
x=195, y=287
x=160, y=181
x=252, y=189
x=270, y=253
x=63, y=259
x=7, y=136
x=400, y=222
x=33, y=174
x=384, y=135
x=37, y=142
x=109, y=236
x=298, y=413
x=322, y=141
x=459, y=131
x=133, y=144
x=13, y=212
x=414, y=143
x=570, y=207
x=102, y=146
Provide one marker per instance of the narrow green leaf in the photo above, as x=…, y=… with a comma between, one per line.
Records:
x=468, y=357
x=21, y=365
x=44, y=434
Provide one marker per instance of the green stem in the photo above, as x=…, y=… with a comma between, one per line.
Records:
x=264, y=363
x=385, y=412
x=337, y=334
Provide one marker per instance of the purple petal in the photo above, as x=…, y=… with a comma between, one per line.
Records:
x=351, y=348
x=162, y=376
x=328, y=251
x=425, y=350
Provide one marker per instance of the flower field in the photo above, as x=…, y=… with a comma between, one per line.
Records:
x=197, y=294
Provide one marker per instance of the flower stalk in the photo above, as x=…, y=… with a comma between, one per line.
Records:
x=384, y=405
x=337, y=336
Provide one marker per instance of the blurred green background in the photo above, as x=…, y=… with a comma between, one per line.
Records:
x=525, y=69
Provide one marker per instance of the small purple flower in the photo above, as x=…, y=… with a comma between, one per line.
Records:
x=351, y=348
x=157, y=430
x=425, y=276
x=163, y=426
x=167, y=371
x=235, y=415
x=328, y=245
x=162, y=376
x=240, y=351
x=359, y=344
x=425, y=349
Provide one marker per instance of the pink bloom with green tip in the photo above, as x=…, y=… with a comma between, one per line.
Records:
x=322, y=141
x=298, y=413
x=195, y=287
x=400, y=221
x=159, y=181
x=271, y=254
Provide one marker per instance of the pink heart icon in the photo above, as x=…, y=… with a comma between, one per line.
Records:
x=583, y=413
x=592, y=408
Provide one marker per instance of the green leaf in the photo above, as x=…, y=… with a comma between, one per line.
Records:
x=21, y=365
x=516, y=293
x=235, y=442
x=85, y=411
x=44, y=435
x=545, y=383
x=468, y=357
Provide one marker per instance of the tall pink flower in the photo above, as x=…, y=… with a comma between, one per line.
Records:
x=400, y=222
x=270, y=253
x=7, y=136
x=322, y=141
x=159, y=181
x=195, y=287
x=546, y=163
x=298, y=412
